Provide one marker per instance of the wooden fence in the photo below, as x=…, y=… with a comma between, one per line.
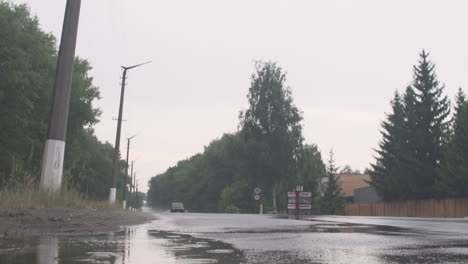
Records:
x=419, y=208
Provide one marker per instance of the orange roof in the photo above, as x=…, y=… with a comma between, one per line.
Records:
x=350, y=182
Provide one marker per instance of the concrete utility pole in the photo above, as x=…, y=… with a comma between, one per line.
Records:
x=136, y=195
x=124, y=204
x=132, y=199
x=54, y=150
x=130, y=188
x=115, y=161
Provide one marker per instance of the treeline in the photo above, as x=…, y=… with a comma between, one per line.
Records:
x=424, y=151
x=28, y=59
x=267, y=152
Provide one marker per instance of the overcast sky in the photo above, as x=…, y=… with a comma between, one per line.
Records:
x=344, y=60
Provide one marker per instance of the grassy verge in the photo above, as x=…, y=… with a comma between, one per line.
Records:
x=33, y=198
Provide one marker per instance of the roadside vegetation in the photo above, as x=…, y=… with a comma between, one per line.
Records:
x=423, y=153
x=30, y=197
x=28, y=57
x=268, y=152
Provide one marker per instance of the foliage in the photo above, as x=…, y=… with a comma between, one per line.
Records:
x=453, y=176
x=28, y=59
x=414, y=137
x=267, y=152
x=26, y=195
x=271, y=127
x=389, y=174
x=199, y=181
x=232, y=209
x=332, y=201
x=430, y=130
x=237, y=195
x=311, y=169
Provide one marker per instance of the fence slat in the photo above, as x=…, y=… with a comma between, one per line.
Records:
x=453, y=208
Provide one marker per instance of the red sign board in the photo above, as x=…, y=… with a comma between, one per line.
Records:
x=299, y=203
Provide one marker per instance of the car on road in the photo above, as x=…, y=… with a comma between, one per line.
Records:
x=177, y=207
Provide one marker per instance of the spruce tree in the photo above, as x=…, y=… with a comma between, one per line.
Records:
x=453, y=176
x=332, y=200
x=389, y=172
x=428, y=129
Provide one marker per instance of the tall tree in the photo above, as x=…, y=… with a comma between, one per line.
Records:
x=453, y=176
x=311, y=169
x=430, y=128
x=27, y=57
x=389, y=172
x=332, y=201
x=272, y=126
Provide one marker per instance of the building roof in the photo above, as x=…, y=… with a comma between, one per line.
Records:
x=350, y=181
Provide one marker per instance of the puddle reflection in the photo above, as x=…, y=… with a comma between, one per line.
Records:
x=133, y=245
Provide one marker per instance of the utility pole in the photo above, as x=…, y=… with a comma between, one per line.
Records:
x=115, y=161
x=136, y=196
x=126, y=174
x=133, y=191
x=130, y=188
x=54, y=150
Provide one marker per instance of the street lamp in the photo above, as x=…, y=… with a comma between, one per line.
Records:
x=115, y=161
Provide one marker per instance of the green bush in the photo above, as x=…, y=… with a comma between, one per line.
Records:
x=232, y=209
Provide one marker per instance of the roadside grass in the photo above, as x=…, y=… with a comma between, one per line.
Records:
x=28, y=196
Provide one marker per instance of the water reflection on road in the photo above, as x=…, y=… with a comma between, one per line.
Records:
x=231, y=239
x=133, y=245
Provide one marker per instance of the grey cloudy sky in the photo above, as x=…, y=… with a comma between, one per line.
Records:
x=344, y=61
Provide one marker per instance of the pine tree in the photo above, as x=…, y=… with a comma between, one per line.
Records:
x=332, y=200
x=453, y=176
x=388, y=174
x=428, y=130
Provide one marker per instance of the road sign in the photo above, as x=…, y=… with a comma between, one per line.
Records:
x=299, y=202
x=257, y=197
x=257, y=190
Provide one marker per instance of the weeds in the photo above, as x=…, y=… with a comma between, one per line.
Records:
x=28, y=196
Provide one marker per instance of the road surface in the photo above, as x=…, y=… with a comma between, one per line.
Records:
x=229, y=239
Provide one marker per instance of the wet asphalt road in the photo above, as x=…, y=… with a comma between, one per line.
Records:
x=229, y=239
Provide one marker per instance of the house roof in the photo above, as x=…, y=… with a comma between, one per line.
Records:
x=351, y=181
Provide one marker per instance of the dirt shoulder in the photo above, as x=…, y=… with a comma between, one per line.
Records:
x=68, y=221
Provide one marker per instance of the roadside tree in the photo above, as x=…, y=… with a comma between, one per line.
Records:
x=271, y=128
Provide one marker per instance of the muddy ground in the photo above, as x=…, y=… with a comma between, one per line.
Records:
x=68, y=221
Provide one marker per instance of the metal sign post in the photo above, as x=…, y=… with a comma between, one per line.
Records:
x=257, y=197
x=299, y=203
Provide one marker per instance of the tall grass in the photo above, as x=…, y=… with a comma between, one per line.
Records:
x=27, y=195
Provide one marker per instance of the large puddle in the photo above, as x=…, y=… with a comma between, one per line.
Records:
x=232, y=239
x=133, y=245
